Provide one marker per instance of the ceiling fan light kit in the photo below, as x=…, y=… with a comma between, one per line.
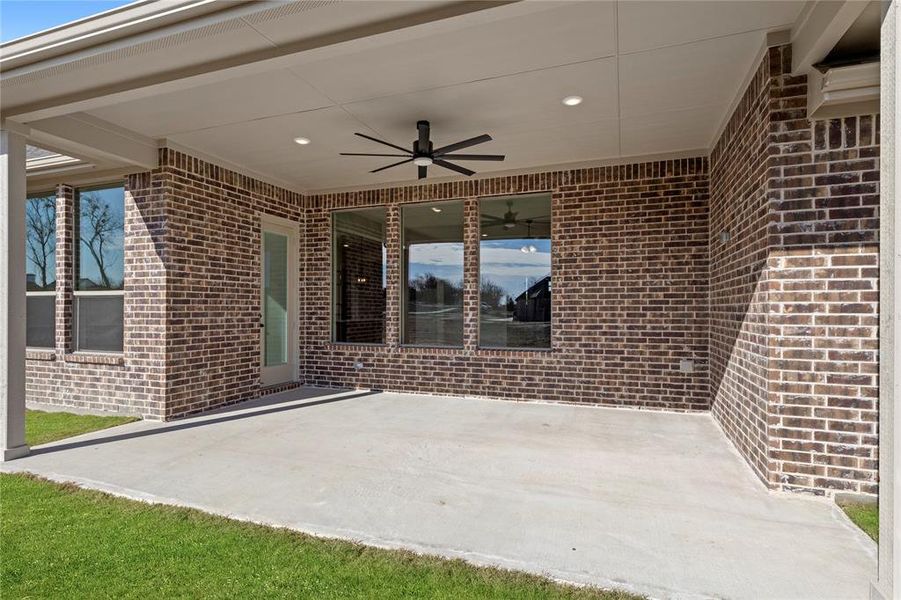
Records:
x=424, y=155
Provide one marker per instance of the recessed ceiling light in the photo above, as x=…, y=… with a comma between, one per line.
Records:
x=302, y=141
x=484, y=235
x=436, y=209
x=572, y=100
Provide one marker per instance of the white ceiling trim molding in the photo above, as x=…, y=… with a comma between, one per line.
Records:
x=231, y=166
x=573, y=166
x=844, y=91
x=776, y=38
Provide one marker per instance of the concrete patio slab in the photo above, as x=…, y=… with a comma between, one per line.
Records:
x=652, y=502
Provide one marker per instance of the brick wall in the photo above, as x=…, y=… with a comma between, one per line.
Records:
x=213, y=242
x=796, y=390
x=738, y=308
x=630, y=293
x=134, y=382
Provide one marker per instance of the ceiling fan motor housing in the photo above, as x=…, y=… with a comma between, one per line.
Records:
x=424, y=154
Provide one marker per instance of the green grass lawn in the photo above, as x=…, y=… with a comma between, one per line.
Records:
x=865, y=516
x=61, y=541
x=43, y=427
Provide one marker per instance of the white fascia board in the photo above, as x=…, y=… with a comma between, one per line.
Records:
x=107, y=26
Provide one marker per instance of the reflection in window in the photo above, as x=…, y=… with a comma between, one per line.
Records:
x=433, y=273
x=100, y=268
x=515, y=272
x=358, y=275
x=40, y=271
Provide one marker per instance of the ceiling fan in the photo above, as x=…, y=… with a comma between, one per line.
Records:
x=423, y=155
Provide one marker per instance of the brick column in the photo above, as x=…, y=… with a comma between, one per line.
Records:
x=471, y=239
x=392, y=289
x=65, y=267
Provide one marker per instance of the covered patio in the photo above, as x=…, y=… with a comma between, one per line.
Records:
x=675, y=209
x=656, y=503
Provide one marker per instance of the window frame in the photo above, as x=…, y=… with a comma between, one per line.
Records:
x=45, y=293
x=333, y=282
x=550, y=347
x=403, y=277
x=76, y=270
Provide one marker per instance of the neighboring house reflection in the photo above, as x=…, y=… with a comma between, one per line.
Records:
x=534, y=304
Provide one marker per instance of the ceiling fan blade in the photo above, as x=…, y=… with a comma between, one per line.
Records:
x=367, y=154
x=493, y=218
x=453, y=167
x=423, y=171
x=391, y=165
x=423, y=127
x=369, y=137
x=474, y=156
x=464, y=144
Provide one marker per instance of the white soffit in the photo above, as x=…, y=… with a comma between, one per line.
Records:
x=656, y=78
x=647, y=25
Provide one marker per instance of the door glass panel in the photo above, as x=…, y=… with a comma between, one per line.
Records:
x=275, y=298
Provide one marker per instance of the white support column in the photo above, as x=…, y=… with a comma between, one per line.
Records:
x=888, y=585
x=12, y=294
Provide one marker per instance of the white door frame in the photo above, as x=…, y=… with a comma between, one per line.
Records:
x=290, y=371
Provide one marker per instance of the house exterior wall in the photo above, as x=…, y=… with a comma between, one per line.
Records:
x=794, y=372
x=213, y=241
x=629, y=280
x=135, y=381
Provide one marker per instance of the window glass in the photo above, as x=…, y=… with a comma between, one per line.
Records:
x=40, y=321
x=275, y=299
x=515, y=272
x=432, y=247
x=40, y=271
x=40, y=243
x=101, y=233
x=99, y=323
x=358, y=275
x=100, y=268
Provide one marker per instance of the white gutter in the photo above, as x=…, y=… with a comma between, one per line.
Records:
x=110, y=25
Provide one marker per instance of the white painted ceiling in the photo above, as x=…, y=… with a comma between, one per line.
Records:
x=656, y=78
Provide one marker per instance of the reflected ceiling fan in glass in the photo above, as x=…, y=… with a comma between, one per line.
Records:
x=510, y=221
x=423, y=155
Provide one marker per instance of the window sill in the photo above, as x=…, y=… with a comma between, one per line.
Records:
x=40, y=354
x=95, y=358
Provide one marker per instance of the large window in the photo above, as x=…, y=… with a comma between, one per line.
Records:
x=358, y=276
x=99, y=269
x=432, y=245
x=515, y=272
x=40, y=271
